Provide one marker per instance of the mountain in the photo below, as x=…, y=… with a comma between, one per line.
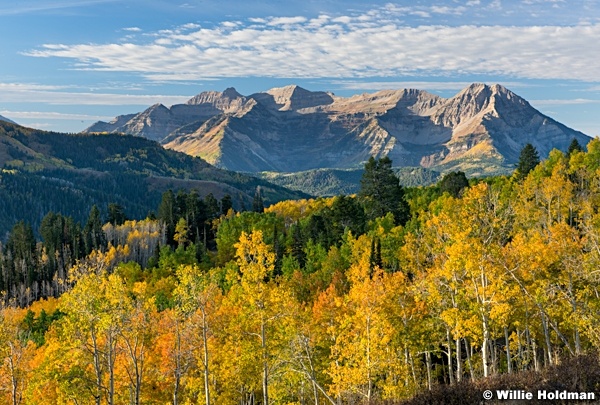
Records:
x=158, y=121
x=6, y=120
x=481, y=130
x=46, y=171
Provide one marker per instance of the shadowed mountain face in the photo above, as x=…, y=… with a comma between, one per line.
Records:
x=481, y=130
x=6, y=120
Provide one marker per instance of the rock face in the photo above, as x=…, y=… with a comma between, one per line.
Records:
x=481, y=130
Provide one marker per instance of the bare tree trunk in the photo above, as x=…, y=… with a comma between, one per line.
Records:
x=450, y=367
x=468, y=349
x=265, y=355
x=546, y=336
x=205, y=360
x=508, y=358
x=485, y=355
x=428, y=363
x=458, y=361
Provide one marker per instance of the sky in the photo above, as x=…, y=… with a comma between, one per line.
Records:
x=65, y=64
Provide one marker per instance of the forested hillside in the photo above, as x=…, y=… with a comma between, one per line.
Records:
x=68, y=173
x=351, y=299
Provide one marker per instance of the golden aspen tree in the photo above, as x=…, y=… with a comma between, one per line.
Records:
x=196, y=297
x=16, y=352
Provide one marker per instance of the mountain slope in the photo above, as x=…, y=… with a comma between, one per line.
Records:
x=71, y=172
x=6, y=120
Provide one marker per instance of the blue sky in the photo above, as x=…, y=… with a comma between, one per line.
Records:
x=68, y=63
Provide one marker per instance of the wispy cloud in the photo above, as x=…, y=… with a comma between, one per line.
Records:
x=371, y=44
x=51, y=116
x=574, y=101
x=35, y=6
x=421, y=85
x=61, y=95
x=366, y=85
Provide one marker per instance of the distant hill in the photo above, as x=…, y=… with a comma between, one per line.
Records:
x=331, y=182
x=43, y=171
x=480, y=131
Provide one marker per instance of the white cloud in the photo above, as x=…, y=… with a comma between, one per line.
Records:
x=447, y=10
x=422, y=85
x=52, y=116
x=575, y=101
x=57, y=95
x=132, y=29
x=287, y=20
x=374, y=44
x=36, y=6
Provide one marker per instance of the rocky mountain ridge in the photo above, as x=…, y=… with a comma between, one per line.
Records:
x=480, y=130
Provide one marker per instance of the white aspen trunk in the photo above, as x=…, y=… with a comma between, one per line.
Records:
x=546, y=336
x=536, y=363
x=428, y=363
x=205, y=359
x=520, y=349
x=459, y=371
x=468, y=349
x=370, y=381
x=450, y=366
x=485, y=355
x=265, y=356
x=508, y=358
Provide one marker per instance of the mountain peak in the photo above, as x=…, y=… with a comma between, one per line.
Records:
x=215, y=97
x=294, y=97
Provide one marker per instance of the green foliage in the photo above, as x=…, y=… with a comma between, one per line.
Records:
x=453, y=183
x=574, y=146
x=34, y=328
x=528, y=160
x=116, y=214
x=381, y=192
x=231, y=228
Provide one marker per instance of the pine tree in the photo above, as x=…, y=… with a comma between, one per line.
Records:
x=93, y=234
x=226, y=204
x=258, y=203
x=575, y=146
x=166, y=213
x=381, y=192
x=528, y=160
x=116, y=214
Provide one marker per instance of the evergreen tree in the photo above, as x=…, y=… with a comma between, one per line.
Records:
x=116, y=214
x=166, y=213
x=528, y=160
x=195, y=216
x=212, y=207
x=381, y=192
x=93, y=234
x=21, y=245
x=258, y=203
x=453, y=183
x=226, y=204
x=575, y=146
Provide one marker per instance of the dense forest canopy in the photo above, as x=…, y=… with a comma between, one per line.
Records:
x=342, y=300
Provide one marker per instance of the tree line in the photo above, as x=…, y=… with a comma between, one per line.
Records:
x=348, y=299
